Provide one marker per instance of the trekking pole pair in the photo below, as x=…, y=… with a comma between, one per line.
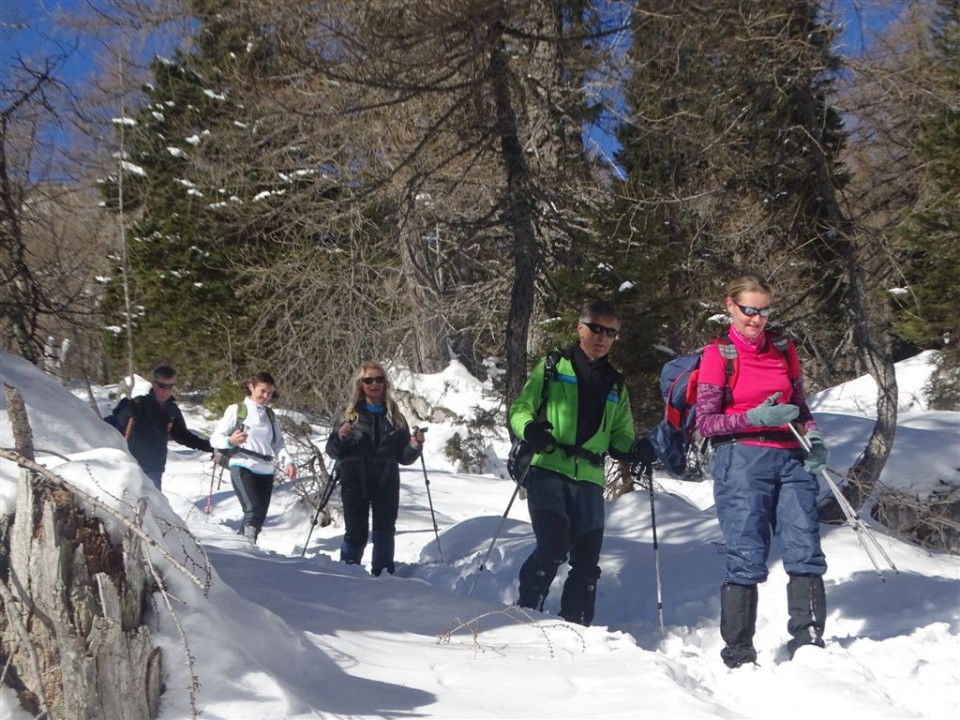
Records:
x=426, y=480
x=646, y=471
x=324, y=499
x=862, y=531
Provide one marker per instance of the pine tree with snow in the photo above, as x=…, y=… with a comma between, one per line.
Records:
x=186, y=250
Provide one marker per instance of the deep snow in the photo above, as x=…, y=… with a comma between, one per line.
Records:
x=280, y=636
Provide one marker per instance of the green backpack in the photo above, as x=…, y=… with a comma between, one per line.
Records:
x=222, y=457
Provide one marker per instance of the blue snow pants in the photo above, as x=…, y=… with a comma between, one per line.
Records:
x=762, y=492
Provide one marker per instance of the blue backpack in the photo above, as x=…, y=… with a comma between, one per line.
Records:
x=673, y=436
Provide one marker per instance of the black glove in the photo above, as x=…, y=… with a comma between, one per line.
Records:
x=643, y=455
x=537, y=435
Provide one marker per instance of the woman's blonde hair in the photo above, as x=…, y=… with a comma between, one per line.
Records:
x=748, y=282
x=356, y=394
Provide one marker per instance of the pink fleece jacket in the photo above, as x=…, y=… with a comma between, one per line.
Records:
x=761, y=371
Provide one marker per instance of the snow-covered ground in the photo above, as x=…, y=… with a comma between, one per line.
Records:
x=285, y=636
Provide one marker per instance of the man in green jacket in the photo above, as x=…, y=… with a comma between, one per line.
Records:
x=586, y=415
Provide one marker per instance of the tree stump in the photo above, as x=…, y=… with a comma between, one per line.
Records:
x=73, y=601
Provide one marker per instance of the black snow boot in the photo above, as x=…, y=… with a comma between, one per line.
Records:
x=738, y=622
x=579, y=597
x=383, y=548
x=807, y=605
x=535, y=580
x=350, y=553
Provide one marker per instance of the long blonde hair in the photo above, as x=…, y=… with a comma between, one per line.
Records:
x=356, y=395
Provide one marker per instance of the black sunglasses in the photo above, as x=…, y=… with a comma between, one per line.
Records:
x=597, y=329
x=372, y=380
x=163, y=385
x=751, y=311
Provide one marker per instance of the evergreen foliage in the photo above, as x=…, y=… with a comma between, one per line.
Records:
x=931, y=233
x=731, y=161
x=321, y=185
x=185, y=260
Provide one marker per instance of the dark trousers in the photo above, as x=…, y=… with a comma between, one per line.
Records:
x=567, y=517
x=254, y=491
x=156, y=476
x=360, y=499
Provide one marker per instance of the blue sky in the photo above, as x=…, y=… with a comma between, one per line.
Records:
x=28, y=29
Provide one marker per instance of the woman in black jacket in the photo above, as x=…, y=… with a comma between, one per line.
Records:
x=371, y=441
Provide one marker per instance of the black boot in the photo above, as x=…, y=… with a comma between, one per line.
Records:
x=807, y=605
x=383, y=548
x=579, y=597
x=535, y=580
x=738, y=622
x=351, y=553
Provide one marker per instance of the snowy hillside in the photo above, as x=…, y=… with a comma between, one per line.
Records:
x=282, y=636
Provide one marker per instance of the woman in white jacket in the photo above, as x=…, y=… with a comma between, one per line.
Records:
x=249, y=433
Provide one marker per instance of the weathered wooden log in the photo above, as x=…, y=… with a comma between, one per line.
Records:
x=81, y=599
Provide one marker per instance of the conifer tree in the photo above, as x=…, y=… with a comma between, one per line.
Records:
x=185, y=259
x=931, y=233
x=731, y=160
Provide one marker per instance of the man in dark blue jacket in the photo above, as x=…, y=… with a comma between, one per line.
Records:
x=146, y=422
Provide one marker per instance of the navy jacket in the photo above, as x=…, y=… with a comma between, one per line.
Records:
x=150, y=427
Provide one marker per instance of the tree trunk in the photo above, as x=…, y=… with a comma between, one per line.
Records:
x=20, y=301
x=432, y=355
x=72, y=627
x=871, y=330
x=518, y=215
x=865, y=473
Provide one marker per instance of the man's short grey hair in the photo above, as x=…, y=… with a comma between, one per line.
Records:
x=598, y=308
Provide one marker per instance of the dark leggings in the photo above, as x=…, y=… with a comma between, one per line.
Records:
x=254, y=491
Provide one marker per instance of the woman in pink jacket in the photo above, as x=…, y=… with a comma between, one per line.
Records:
x=749, y=387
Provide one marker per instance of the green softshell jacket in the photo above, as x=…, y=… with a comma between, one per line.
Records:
x=615, y=431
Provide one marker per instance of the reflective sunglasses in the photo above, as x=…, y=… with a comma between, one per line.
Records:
x=371, y=380
x=597, y=329
x=163, y=385
x=751, y=311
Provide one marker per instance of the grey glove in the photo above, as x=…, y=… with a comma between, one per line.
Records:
x=817, y=457
x=770, y=414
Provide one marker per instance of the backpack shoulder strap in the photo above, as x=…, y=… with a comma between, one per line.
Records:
x=273, y=422
x=550, y=361
x=728, y=351
x=242, y=415
x=788, y=351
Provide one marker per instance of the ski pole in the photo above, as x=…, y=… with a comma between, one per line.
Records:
x=656, y=545
x=426, y=480
x=324, y=499
x=493, y=540
x=213, y=472
x=861, y=530
x=656, y=551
